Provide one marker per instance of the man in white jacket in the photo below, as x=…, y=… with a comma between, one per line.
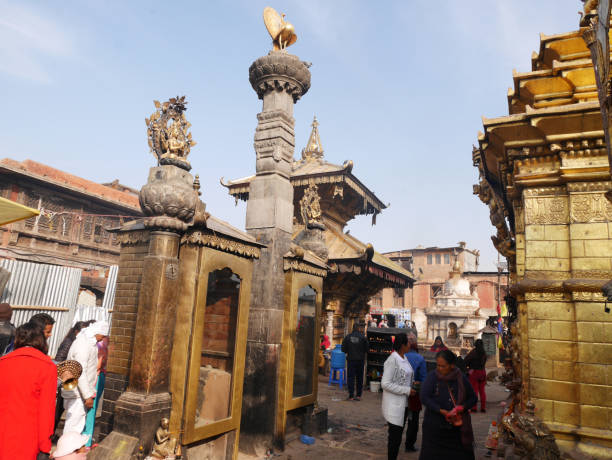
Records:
x=81, y=399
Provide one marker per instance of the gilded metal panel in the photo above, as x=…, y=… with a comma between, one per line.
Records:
x=195, y=270
x=294, y=281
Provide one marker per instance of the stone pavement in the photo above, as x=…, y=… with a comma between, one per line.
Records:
x=358, y=430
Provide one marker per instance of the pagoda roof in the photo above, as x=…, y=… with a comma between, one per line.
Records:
x=345, y=249
x=342, y=193
x=562, y=74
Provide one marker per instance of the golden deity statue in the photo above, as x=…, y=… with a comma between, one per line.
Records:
x=281, y=31
x=168, y=132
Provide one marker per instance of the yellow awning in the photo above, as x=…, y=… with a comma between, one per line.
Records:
x=12, y=212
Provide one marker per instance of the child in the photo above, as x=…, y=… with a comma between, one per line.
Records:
x=71, y=446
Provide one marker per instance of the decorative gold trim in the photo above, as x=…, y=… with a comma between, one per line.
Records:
x=603, y=186
x=546, y=296
x=545, y=191
x=220, y=243
x=300, y=266
x=593, y=274
x=133, y=237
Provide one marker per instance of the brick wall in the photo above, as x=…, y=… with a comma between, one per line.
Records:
x=123, y=325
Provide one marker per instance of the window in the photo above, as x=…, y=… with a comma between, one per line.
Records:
x=436, y=289
x=305, y=336
x=217, y=353
x=447, y=259
x=438, y=259
x=429, y=259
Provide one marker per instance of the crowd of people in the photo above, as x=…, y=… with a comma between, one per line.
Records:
x=33, y=397
x=449, y=393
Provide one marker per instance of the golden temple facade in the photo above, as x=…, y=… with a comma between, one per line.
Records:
x=543, y=173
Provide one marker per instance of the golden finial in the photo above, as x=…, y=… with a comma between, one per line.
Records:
x=281, y=31
x=314, y=149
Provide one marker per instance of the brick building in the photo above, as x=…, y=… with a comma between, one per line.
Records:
x=75, y=215
x=432, y=267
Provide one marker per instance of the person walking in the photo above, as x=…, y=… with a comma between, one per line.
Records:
x=78, y=401
x=397, y=386
x=7, y=329
x=447, y=426
x=419, y=367
x=27, y=397
x=62, y=355
x=91, y=415
x=475, y=362
x=355, y=345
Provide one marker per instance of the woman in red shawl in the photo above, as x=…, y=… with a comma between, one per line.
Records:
x=28, y=380
x=438, y=345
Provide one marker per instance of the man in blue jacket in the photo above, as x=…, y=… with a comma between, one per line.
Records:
x=414, y=404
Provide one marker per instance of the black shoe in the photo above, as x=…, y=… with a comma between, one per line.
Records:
x=357, y=398
x=350, y=398
x=411, y=449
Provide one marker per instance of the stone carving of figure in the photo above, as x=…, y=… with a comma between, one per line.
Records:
x=164, y=445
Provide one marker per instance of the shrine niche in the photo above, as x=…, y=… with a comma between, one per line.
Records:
x=301, y=325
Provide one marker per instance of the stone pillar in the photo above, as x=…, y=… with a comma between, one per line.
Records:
x=279, y=79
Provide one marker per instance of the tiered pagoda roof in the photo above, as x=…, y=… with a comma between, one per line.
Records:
x=553, y=118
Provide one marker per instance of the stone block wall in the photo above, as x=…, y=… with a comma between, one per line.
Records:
x=564, y=235
x=123, y=324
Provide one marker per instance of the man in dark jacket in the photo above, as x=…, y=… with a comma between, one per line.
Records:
x=355, y=345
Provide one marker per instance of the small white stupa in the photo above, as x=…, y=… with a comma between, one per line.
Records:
x=455, y=314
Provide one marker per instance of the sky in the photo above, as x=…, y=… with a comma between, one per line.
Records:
x=399, y=87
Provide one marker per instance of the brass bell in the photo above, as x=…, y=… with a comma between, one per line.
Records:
x=69, y=372
x=70, y=384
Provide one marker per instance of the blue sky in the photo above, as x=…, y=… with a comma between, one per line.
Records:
x=399, y=87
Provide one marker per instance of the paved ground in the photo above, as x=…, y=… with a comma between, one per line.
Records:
x=358, y=430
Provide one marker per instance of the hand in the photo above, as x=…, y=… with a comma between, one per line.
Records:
x=412, y=392
x=444, y=412
x=459, y=409
x=89, y=403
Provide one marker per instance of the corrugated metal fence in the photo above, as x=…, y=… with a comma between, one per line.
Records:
x=105, y=312
x=39, y=288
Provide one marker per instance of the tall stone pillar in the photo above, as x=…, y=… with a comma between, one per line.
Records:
x=279, y=79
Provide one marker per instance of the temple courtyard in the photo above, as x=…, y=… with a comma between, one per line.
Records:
x=358, y=430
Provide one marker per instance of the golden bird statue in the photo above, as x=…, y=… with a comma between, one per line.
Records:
x=281, y=31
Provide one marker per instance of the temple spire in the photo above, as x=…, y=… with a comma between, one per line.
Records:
x=314, y=149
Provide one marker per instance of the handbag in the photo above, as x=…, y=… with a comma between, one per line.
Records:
x=455, y=418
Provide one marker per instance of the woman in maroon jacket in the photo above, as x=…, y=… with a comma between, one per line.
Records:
x=28, y=380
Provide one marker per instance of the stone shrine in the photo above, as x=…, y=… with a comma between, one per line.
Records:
x=455, y=315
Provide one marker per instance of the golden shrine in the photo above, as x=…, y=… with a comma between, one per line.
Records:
x=356, y=270
x=543, y=173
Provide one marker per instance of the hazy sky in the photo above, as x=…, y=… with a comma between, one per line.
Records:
x=399, y=87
